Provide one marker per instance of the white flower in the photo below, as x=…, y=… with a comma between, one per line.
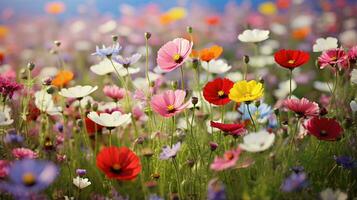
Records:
x=216, y=66
x=110, y=120
x=5, y=118
x=278, y=29
x=84, y=102
x=323, y=86
x=301, y=21
x=103, y=106
x=81, y=182
x=78, y=91
x=255, y=35
x=323, y=44
x=44, y=103
x=105, y=67
x=259, y=141
x=235, y=76
x=284, y=89
x=354, y=76
x=261, y=61
x=353, y=105
x=329, y=194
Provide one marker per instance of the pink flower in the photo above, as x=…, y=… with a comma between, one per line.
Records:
x=333, y=58
x=173, y=54
x=352, y=54
x=4, y=168
x=228, y=160
x=139, y=95
x=139, y=114
x=114, y=92
x=302, y=107
x=21, y=153
x=169, y=103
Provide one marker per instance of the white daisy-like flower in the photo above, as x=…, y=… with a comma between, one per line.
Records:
x=216, y=66
x=81, y=182
x=323, y=44
x=77, y=92
x=44, y=102
x=255, y=35
x=261, y=61
x=353, y=105
x=354, y=76
x=5, y=118
x=235, y=76
x=284, y=89
x=323, y=86
x=278, y=29
x=105, y=67
x=110, y=120
x=257, y=142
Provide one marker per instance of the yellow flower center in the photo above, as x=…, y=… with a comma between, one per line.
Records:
x=220, y=93
x=291, y=61
x=116, y=168
x=28, y=179
x=170, y=108
x=334, y=58
x=176, y=57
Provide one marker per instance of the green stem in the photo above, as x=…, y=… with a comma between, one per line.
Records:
x=251, y=118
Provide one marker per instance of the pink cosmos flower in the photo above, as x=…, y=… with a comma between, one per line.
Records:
x=114, y=92
x=4, y=168
x=21, y=153
x=352, y=54
x=138, y=113
x=169, y=103
x=302, y=107
x=173, y=54
x=333, y=58
x=228, y=160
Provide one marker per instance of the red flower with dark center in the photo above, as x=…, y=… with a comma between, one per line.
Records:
x=234, y=130
x=323, y=128
x=291, y=59
x=216, y=92
x=118, y=163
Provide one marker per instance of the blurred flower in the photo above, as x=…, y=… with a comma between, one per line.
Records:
x=283, y=4
x=333, y=58
x=81, y=182
x=291, y=59
x=232, y=129
x=329, y=194
x=170, y=152
x=301, y=33
x=118, y=163
x=302, y=107
x=55, y=7
x=155, y=197
x=216, y=190
x=62, y=78
x=353, y=106
x=2, y=57
x=213, y=146
x=323, y=44
x=110, y=120
x=173, y=54
x=107, y=52
x=208, y=54
x=4, y=168
x=114, y=92
x=354, y=76
x=44, y=103
x=213, y=20
x=267, y=8
x=228, y=160
x=8, y=87
x=243, y=91
x=295, y=182
x=29, y=176
x=169, y=103
x=77, y=92
x=346, y=162
x=323, y=128
x=81, y=172
x=127, y=61
x=105, y=67
x=21, y=153
x=255, y=35
x=258, y=141
x=260, y=113
x=322, y=86
x=172, y=15
x=216, y=91
x=216, y=66
x=352, y=54
x=12, y=137
x=5, y=118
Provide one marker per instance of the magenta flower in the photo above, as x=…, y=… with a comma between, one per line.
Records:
x=302, y=107
x=169, y=103
x=8, y=87
x=352, y=54
x=333, y=58
x=114, y=92
x=228, y=160
x=173, y=54
x=4, y=168
x=21, y=153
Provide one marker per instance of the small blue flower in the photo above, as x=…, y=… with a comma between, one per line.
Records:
x=168, y=152
x=216, y=190
x=13, y=138
x=81, y=172
x=295, y=182
x=345, y=161
x=107, y=52
x=127, y=61
x=261, y=113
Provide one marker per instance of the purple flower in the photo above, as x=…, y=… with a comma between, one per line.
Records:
x=107, y=52
x=168, y=152
x=127, y=61
x=216, y=190
x=13, y=138
x=81, y=172
x=29, y=176
x=155, y=197
x=295, y=182
x=8, y=87
x=345, y=161
x=213, y=146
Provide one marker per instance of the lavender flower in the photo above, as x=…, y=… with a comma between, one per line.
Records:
x=127, y=61
x=216, y=190
x=8, y=87
x=346, y=162
x=295, y=182
x=107, y=52
x=168, y=152
x=81, y=172
x=155, y=197
x=13, y=138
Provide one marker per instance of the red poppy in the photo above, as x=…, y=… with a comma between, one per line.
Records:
x=213, y=20
x=232, y=129
x=323, y=128
x=291, y=59
x=92, y=127
x=118, y=163
x=216, y=91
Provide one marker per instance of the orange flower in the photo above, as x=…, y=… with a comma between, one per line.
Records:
x=213, y=20
x=62, y=78
x=3, y=31
x=301, y=33
x=55, y=7
x=208, y=54
x=283, y=4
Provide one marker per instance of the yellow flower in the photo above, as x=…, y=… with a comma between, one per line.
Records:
x=267, y=8
x=174, y=14
x=243, y=91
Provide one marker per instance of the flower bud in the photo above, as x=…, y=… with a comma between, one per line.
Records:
x=246, y=59
x=213, y=146
x=155, y=175
x=95, y=106
x=174, y=85
x=79, y=122
x=194, y=100
x=195, y=63
x=257, y=103
x=152, y=83
x=57, y=43
x=88, y=105
x=47, y=81
x=81, y=172
x=30, y=66
x=51, y=89
x=147, y=35
x=189, y=29
x=114, y=38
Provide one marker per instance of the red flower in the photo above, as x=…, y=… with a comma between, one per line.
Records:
x=216, y=91
x=118, y=163
x=92, y=127
x=323, y=128
x=291, y=59
x=232, y=129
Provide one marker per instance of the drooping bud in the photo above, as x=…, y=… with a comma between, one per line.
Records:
x=194, y=100
x=114, y=38
x=147, y=35
x=57, y=43
x=246, y=59
x=189, y=29
x=51, y=89
x=30, y=66
x=174, y=85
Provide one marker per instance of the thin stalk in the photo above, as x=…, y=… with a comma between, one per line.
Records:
x=291, y=77
x=251, y=118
